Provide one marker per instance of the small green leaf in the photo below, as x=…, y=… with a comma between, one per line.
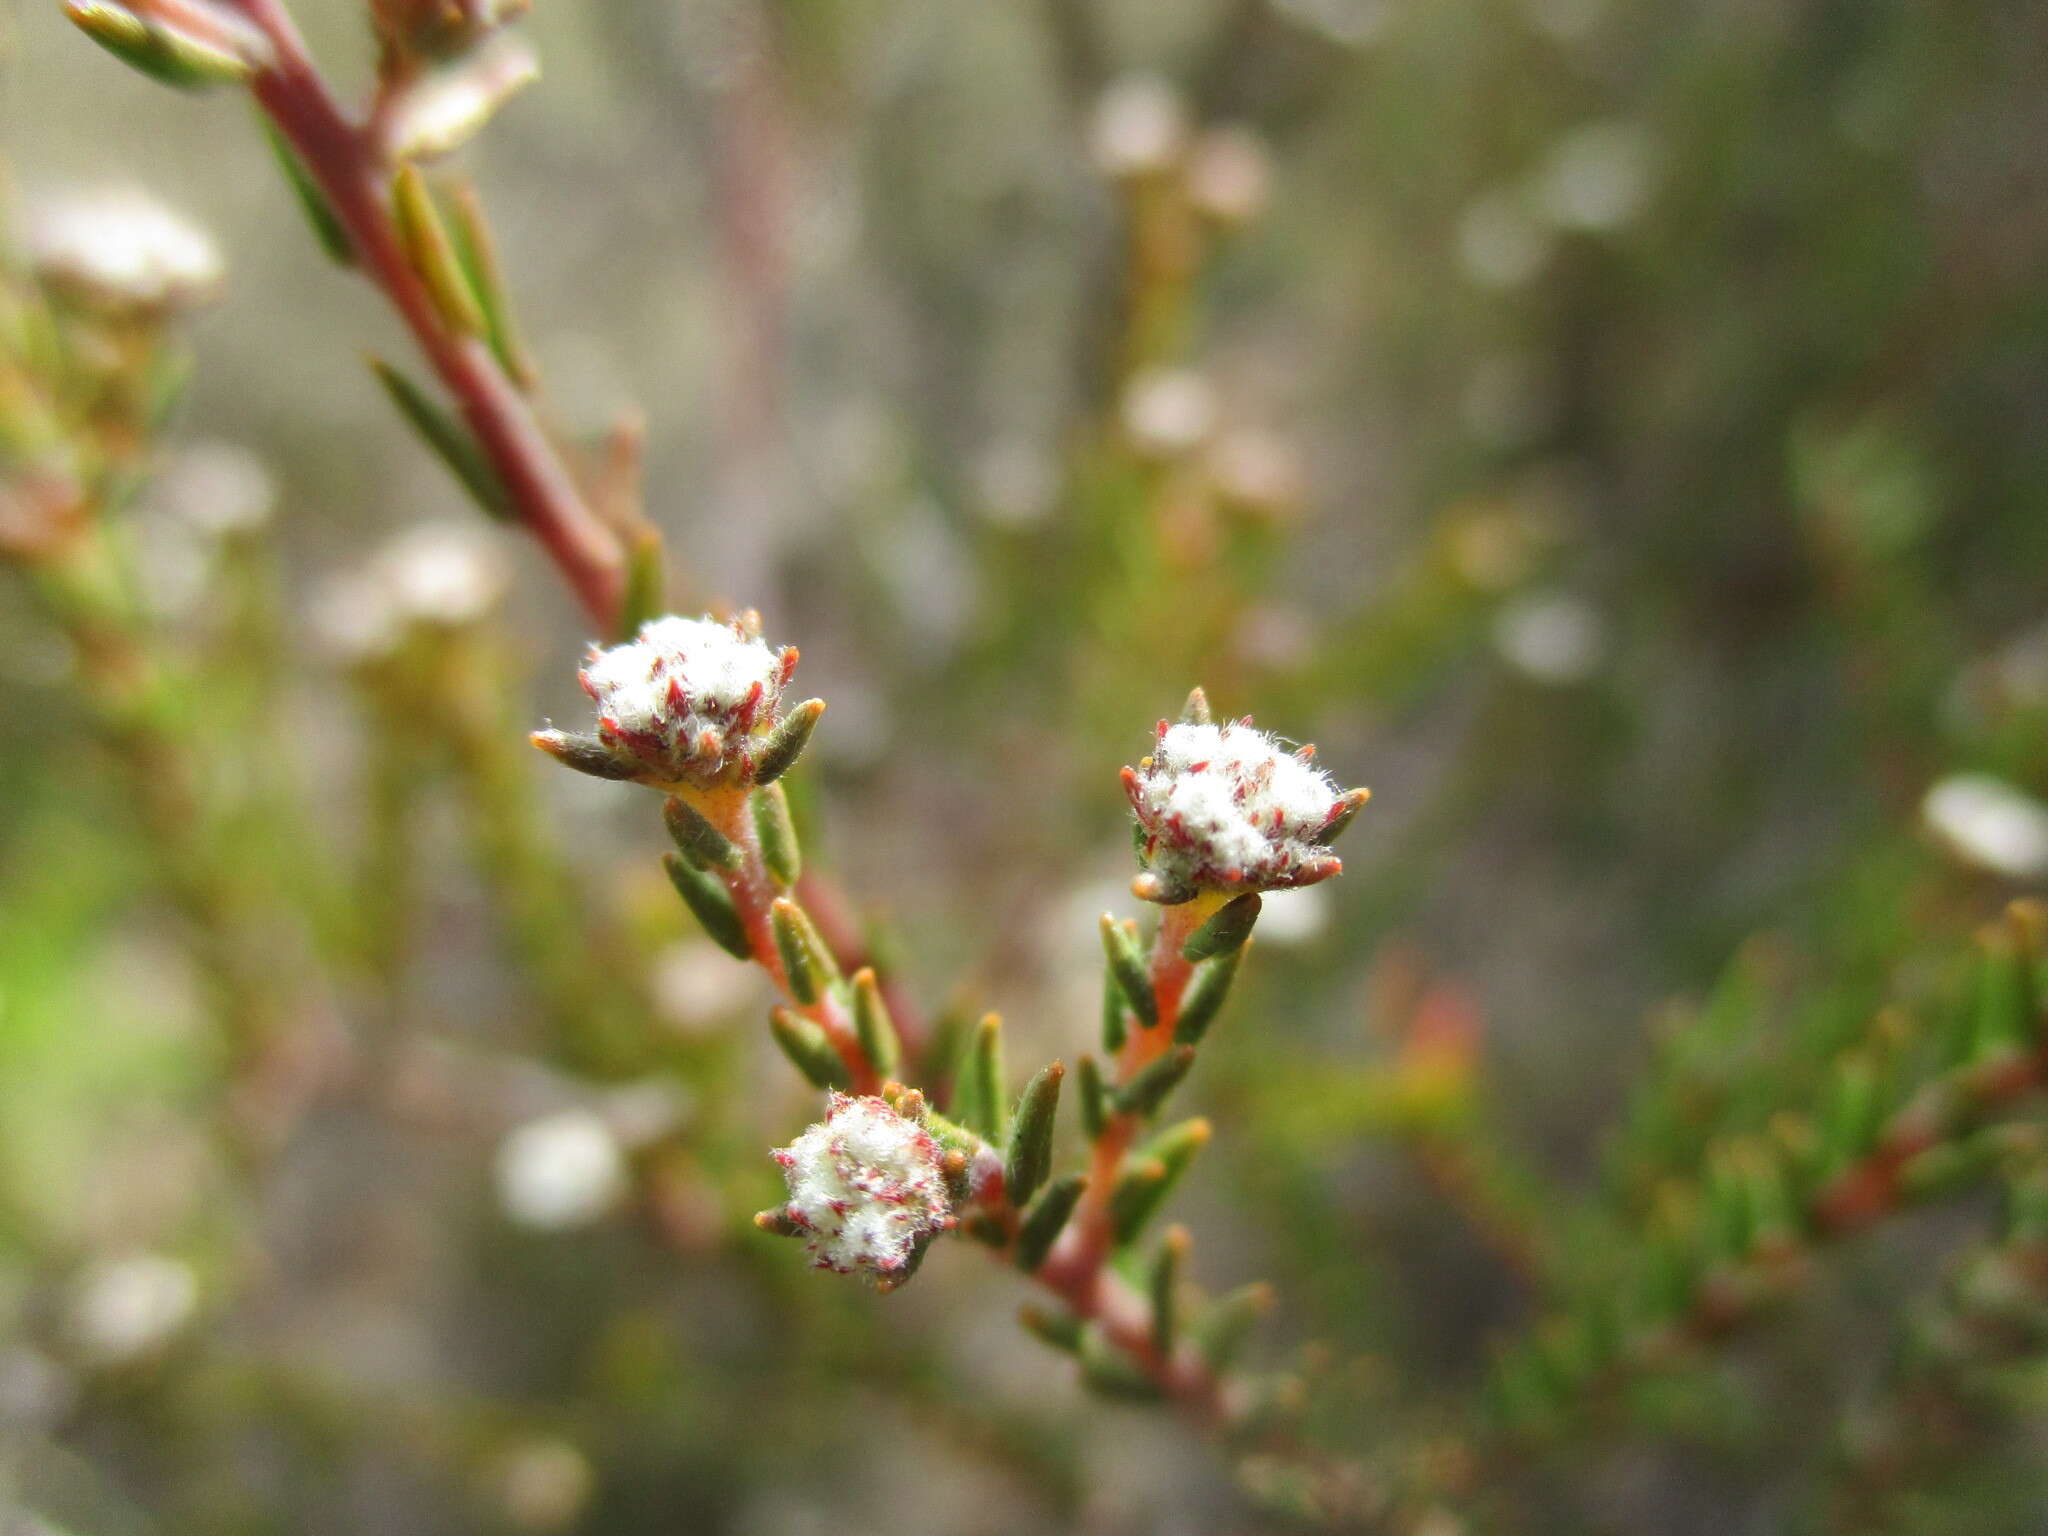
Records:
x=1151, y=1174
x=1109, y=1372
x=1062, y=1330
x=1143, y=1094
x=1030, y=1153
x=1115, y=1029
x=1045, y=1219
x=158, y=49
x=979, y=1099
x=327, y=226
x=1162, y=1288
x=1094, y=1096
x=879, y=1041
x=432, y=253
x=478, y=253
x=1218, y=1332
x=782, y=746
x=775, y=829
x=695, y=838
x=450, y=442
x=1127, y=970
x=1352, y=803
x=808, y=1050
x=586, y=754
x=806, y=962
x=706, y=896
x=1205, y=996
x=1225, y=933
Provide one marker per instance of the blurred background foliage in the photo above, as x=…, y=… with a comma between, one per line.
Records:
x=1612, y=431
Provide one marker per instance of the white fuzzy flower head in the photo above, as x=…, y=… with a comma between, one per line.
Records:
x=867, y=1189
x=1231, y=808
x=689, y=701
x=123, y=251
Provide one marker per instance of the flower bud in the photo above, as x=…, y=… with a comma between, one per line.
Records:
x=867, y=1190
x=689, y=702
x=1229, y=808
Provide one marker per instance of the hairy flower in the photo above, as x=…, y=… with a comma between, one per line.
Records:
x=867, y=1189
x=1230, y=808
x=689, y=701
x=122, y=250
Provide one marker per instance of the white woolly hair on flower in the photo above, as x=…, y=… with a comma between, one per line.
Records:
x=1234, y=808
x=867, y=1188
x=684, y=692
x=117, y=247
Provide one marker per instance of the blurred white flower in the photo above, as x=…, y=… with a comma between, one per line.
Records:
x=435, y=576
x=1987, y=822
x=1229, y=175
x=121, y=249
x=353, y=619
x=1597, y=177
x=561, y=1171
x=696, y=986
x=446, y=574
x=1551, y=637
x=1500, y=244
x=220, y=489
x=1140, y=128
x=1168, y=412
x=1257, y=470
x=122, y=1308
x=544, y=1484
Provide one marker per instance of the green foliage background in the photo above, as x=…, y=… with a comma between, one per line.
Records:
x=1773, y=428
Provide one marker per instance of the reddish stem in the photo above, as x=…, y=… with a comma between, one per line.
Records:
x=1077, y=1270
x=754, y=893
x=342, y=159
